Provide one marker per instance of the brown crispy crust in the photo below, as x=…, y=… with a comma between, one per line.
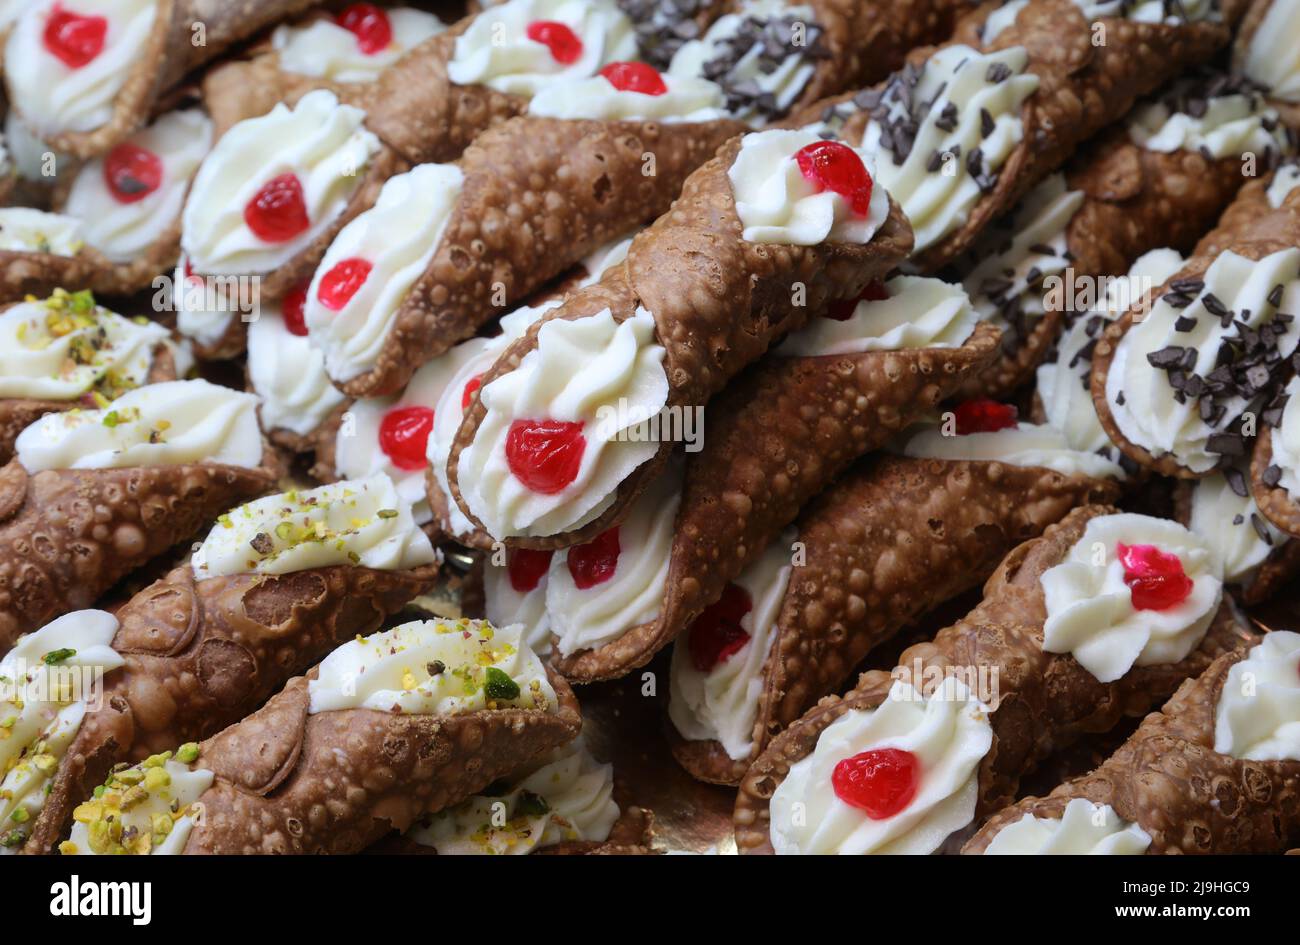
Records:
x=1168, y=779
x=1135, y=200
x=201, y=655
x=16, y=414
x=718, y=302
x=884, y=546
x=336, y=782
x=1275, y=503
x=1276, y=571
x=168, y=55
x=778, y=436
x=1249, y=227
x=539, y=195
x=1045, y=700
x=68, y=535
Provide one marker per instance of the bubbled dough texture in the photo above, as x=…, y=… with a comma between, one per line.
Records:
x=884, y=546
x=1047, y=700
x=1135, y=200
x=1250, y=228
x=201, y=655
x=1168, y=779
x=68, y=535
x=336, y=782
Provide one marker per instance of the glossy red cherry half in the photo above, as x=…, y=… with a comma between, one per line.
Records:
x=880, y=782
x=343, y=280
x=471, y=388
x=1156, y=579
x=527, y=567
x=545, y=455
x=132, y=172
x=833, y=166
x=596, y=561
x=404, y=436
x=716, y=635
x=982, y=415
x=277, y=213
x=635, y=77
x=292, y=309
x=563, y=42
x=370, y=25
x=74, y=38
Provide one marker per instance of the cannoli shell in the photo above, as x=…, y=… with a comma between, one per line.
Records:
x=1046, y=701
x=17, y=414
x=201, y=655
x=171, y=52
x=1275, y=572
x=539, y=195
x=1249, y=227
x=68, y=535
x=1135, y=200
x=335, y=782
x=1256, y=10
x=775, y=439
x=884, y=546
x=1275, y=503
x=718, y=303
x=1168, y=779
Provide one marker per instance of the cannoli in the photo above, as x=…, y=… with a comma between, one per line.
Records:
x=1216, y=770
x=1102, y=617
x=116, y=223
x=85, y=75
x=1159, y=180
x=1275, y=462
x=1177, y=386
x=766, y=233
x=91, y=495
x=962, y=132
x=240, y=618
x=1265, y=51
x=67, y=351
x=562, y=803
x=882, y=547
x=387, y=729
x=298, y=404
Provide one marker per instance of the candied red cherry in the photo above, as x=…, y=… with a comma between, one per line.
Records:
x=716, y=634
x=545, y=455
x=841, y=310
x=471, y=388
x=635, y=77
x=1156, y=579
x=404, y=436
x=563, y=42
x=369, y=24
x=983, y=415
x=880, y=782
x=293, y=307
x=277, y=213
x=74, y=38
x=343, y=280
x=190, y=276
x=596, y=561
x=527, y=567
x=830, y=165
x=132, y=172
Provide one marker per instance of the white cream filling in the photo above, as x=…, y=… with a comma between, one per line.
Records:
x=686, y=100
x=176, y=802
x=1063, y=384
x=1149, y=413
x=123, y=231
x=722, y=704
x=54, y=97
x=623, y=385
x=948, y=733
x=569, y=798
x=363, y=523
x=1152, y=11
x=1000, y=20
x=1286, y=440
x=323, y=49
x=170, y=424
x=1090, y=610
x=776, y=203
x=397, y=237
x=320, y=141
x=1085, y=828
x=954, y=79
x=919, y=313
x=1230, y=525
x=47, y=682
x=65, y=346
x=504, y=604
x=1026, y=444
x=495, y=50
x=1232, y=126
x=25, y=230
x=1285, y=180
x=1273, y=56
x=289, y=375
x=633, y=593
x=433, y=667
x=1258, y=714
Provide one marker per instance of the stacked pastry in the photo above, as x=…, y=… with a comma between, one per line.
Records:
x=733, y=338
